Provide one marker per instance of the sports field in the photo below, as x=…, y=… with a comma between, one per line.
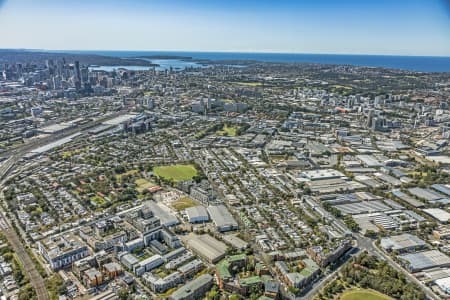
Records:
x=361, y=294
x=229, y=131
x=176, y=172
x=183, y=203
x=97, y=201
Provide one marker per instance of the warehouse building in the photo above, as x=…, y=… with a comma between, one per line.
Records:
x=334, y=185
x=419, y=261
x=439, y=214
x=442, y=232
x=321, y=174
x=444, y=189
x=375, y=221
x=195, y=289
x=403, y=243
x=234, y=241
x=408, y=199
x=363, y=207
x=388, y=179
x=443, y=284
x=207, y=247
x=433, y=274
x=426, y=194
x=197, y=214
x=369, y=161
x=222, y=218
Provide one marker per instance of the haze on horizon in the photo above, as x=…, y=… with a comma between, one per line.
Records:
x=402, y=27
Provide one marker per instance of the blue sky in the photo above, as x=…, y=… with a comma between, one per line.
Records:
x=405, y=27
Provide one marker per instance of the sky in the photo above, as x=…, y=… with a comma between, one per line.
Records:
x=391, y=27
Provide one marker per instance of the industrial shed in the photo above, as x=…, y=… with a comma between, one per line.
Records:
x=425, y=260
x=222, y=218
x=207, y=247
x=197, y=214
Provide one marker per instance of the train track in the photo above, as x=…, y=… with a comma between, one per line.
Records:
x=36, y=280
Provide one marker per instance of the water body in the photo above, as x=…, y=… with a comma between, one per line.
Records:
x=413, y=63
x=112, y=68
x=164, y=64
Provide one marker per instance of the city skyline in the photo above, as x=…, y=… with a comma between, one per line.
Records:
x=419, y=28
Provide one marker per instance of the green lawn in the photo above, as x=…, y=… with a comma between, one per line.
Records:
x=229, y=131
x=176, y=172
x=143, y=184
x=183, y=203
x=99, y=201
x=362, y=294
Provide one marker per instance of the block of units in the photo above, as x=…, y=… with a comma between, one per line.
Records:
x=61, y=251
x=148, y=264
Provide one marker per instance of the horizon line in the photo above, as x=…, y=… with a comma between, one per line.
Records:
x=226, y=51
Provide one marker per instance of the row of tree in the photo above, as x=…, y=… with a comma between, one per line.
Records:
x=367, y=271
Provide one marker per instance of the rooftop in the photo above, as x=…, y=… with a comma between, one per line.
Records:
x=400, y=242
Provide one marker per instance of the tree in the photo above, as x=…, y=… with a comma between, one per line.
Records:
x=119, y=169
x=293, y=290
x=213, y=294
x=307, y=190
x=123, y=294
x=351, y=224
x=370, y=233
x=8, y=256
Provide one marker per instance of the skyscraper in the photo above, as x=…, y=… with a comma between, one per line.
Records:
x=77, y=70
